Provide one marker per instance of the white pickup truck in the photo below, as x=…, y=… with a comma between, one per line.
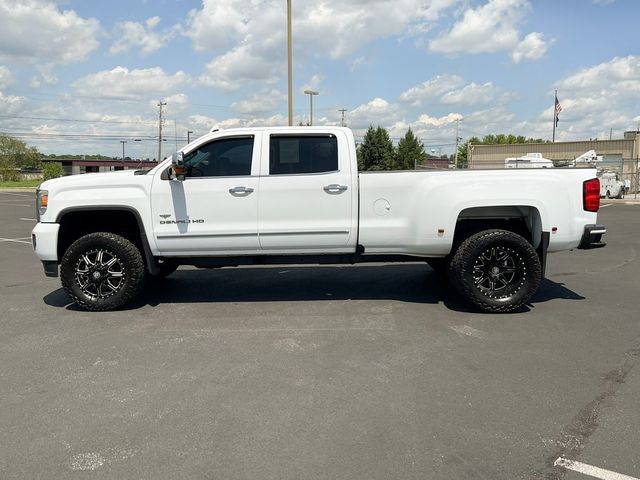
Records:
x=294, y=196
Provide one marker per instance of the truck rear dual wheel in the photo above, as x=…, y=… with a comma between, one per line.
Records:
x=102, y=271
x=496, y=270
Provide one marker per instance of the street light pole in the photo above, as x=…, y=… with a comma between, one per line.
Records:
x=311, y=93
x=290, y=62
x=189, y=132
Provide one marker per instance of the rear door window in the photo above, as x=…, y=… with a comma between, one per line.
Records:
x=300, y=154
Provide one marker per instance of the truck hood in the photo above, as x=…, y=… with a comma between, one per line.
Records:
x=89, y=179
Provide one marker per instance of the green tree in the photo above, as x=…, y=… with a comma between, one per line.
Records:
x=15, y=153
x=410, y=152
x=376, y=151
x=499, y=139
x=462, y=161
x=52, y=170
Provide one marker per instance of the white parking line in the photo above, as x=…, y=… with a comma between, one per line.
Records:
x=16, y=194
x=607, y=205
x=28, y=219
x=17, y=240
x=590, y=470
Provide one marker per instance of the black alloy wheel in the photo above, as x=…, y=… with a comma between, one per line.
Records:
x=496, y=270
x=102, y=271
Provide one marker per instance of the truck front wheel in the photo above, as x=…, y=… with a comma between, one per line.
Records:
x=496, y=270
x=102, y=271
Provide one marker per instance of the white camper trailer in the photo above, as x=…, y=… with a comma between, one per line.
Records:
x=530, y=160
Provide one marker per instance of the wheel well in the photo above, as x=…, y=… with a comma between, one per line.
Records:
x=76, y=224
x=523, y=220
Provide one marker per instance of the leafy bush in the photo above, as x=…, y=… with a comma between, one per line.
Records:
x=52, y=170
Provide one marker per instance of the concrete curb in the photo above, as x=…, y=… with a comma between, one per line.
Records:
x=620, y=201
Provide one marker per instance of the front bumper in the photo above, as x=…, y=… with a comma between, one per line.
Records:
x=45, y=243
x=592, y=237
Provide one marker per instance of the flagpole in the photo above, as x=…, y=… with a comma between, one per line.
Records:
x=555, y=100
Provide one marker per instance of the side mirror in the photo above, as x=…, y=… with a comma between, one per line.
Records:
x=177, y=171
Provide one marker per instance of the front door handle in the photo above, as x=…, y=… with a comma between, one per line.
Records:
x=238, y=191
x=335, y=189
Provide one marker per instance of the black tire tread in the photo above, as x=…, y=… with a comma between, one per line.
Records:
x=460, y=263
x=135, y=265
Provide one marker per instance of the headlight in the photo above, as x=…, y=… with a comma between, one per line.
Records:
x=42, y=201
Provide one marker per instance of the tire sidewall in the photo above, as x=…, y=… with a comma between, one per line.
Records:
x=468, y=252
x=127, y=253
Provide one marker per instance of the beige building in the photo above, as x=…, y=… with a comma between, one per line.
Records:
x=620, y=156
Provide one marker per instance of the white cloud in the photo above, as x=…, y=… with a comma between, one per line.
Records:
x=44, y=76
x=342, y=28
x=358, y=62
x=532, y=47
x=472, y=94
x=596, y=99
x=375, y=112
x=490, y=28
x=218, y=24
x=121, y=82
x=452, y=90
x=36, y=31
x=438, y=122
x=260, y=102
x=11, y=105
x=142, y=36
x=431, y=89
x=249, y=40
x=6, y=78
x=176, y=104
x=239, y=65
x=621, y=74
x=312, y=84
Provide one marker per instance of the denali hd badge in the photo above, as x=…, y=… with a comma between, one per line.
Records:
x=178, y=222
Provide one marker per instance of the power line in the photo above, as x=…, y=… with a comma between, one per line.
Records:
x=77, y=120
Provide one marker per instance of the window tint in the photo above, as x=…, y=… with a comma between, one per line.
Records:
x=221, y=158
x=290, y=154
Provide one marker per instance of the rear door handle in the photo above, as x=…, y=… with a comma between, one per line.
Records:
x=238, y=191
x=335, y=189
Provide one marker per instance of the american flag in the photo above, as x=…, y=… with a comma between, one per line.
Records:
x=558, y=110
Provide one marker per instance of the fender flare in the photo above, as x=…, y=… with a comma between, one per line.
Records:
x=150, y=261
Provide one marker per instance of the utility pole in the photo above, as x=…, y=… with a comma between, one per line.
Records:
x=160, y=105
x=343, y=111
x=123, y=142
x=290, y=62
x=311, y=93
x=610, y=133
x=458, y=140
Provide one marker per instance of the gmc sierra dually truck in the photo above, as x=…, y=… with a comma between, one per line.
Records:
x=294, y=196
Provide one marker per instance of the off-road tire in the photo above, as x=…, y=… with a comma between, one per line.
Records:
x=496, y=270
x=102, y=281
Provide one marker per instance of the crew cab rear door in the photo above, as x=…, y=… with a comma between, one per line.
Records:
x=215, y=209
x=308, y=196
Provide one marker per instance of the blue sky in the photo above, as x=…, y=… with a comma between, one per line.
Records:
x=79, y=76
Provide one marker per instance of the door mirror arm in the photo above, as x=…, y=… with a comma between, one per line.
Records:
x=177, y=169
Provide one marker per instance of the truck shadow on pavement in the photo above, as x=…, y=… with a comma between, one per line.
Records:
x=415, y=283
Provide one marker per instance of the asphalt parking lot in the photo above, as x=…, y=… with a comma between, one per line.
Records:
x=368, y=372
